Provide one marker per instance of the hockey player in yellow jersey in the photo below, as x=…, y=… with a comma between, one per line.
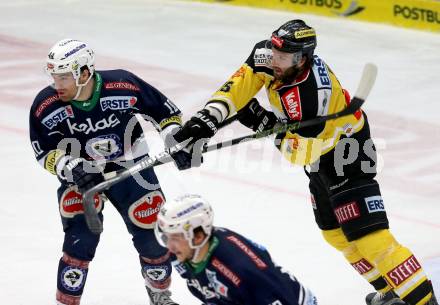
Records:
x=346, y=198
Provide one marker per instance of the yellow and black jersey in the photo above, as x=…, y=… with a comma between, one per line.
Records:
x=316, y=92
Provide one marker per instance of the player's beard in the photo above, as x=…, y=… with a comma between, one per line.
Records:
x=290, y=75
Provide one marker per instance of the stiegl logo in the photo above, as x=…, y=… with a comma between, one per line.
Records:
x=362, y=266
x=402, y=272
x=347, y=212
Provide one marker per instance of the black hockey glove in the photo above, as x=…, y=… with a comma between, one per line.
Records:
x=182, y=158
x=82, y=173
x=199, y=128
x=256, y=117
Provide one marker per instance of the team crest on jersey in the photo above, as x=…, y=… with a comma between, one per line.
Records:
x=218, y=286
x=292, y=103
x=143, y=212
x=71, y=202
x=104, y=147
x=57, y=116
x=156, y=273
x=73, y=278
x=117, y=102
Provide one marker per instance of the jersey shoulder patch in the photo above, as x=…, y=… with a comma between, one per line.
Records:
x=321, y=72
x=323, y=85
x=119, y=80
x=261, y=58
x=45, y=100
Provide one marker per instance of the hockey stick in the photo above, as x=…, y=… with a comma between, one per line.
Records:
x=94, y=223
x=228, y=121
x=90, y=213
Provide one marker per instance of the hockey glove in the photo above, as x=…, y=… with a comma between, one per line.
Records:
x=199, y=128
x=256, y=117
x=82, y=173
x=182, y=158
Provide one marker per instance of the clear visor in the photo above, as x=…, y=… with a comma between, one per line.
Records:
x=63, y=75
x=60, y=80
x=59, y=76
x=161, y=237
x=283, y=58
x=165, y=238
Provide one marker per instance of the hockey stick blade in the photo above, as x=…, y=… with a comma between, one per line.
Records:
x=365, y=85
x=90, y=213
x=367, y=81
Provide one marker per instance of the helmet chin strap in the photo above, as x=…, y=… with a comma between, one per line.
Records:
x=80, y=86
x=196, y=254
x=78, y=92
x=197, y=249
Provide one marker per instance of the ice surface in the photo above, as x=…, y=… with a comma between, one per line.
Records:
x=188, y=50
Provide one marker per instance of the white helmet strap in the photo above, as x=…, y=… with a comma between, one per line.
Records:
x=197, y=248
x=78, y=92
x=211, y=248
x=80, y=86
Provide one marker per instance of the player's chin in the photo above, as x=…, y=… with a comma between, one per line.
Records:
x=181, y=257
x=65, y=97
x=278, y=73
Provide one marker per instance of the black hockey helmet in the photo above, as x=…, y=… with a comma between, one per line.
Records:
x=294, y=36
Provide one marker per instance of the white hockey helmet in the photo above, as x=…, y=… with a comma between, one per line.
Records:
x=183, y=215
x=70, y=55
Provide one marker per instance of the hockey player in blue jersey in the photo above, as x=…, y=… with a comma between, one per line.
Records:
x=220, y=266
x=83, y=126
